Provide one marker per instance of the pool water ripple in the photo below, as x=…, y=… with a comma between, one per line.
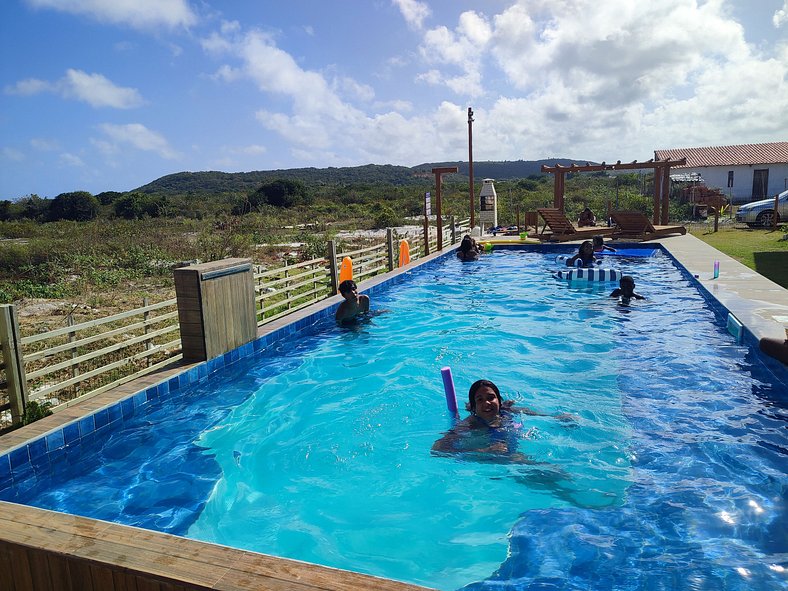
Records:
x=671, y=477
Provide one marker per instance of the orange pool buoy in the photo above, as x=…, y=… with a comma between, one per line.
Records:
x=346, y=270
x=404, y=253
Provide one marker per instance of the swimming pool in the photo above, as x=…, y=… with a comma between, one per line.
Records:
x=317, y=448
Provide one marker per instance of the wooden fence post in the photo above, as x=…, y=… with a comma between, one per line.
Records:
x=14, y=364
x=426, y=236
x=453, y=230
x=332, y=267
x=390, y=247
x=146, y=329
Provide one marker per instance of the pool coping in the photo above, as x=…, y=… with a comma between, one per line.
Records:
x=760, y=305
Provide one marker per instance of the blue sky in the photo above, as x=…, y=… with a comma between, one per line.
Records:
x=102, y=95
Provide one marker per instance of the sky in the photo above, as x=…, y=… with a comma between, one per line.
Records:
x=108, y=95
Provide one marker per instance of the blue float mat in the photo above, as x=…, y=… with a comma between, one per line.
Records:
x=629, y=252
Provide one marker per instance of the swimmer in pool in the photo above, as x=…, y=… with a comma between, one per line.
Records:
x=468, y=250
x=626, y=290
x=600, y=246
x=585, y=254
x=354, y=304
x=491, y=428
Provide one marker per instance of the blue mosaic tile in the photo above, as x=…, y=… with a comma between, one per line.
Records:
x=139, y=399
x=163, y=388
x=152, y=393
x=57, y=456
x=258, y=344
x=174, y=384
x=86, y=426
x=19, y=457
x=115, y=413
x=55, y=440
x=23, y=474
x=5, y=468
x=193, y=375
x=203, y=371
x=101, y=418
x=227, y=359
x=127, y=407
x=40, y=463
x=37, y=448
x=71, y=433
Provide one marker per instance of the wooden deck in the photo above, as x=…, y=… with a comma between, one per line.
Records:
x=48, y=551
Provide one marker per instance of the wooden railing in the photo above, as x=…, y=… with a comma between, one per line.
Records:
x=286, y=289
x=62, y=366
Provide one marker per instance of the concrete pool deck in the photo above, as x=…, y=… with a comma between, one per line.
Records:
x=36, y=544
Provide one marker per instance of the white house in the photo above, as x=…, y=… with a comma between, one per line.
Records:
x=744, y=173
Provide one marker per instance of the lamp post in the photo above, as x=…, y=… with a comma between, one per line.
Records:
x=470, y=164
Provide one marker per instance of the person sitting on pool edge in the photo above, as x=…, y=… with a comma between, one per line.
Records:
x=626, y=290
x=585, y=254
x=587, y=218
x=354, y=303
x=468, y=250
x=600, y=246
x=491, y=416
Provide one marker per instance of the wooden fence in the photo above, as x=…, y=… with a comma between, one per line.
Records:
x=78, y=361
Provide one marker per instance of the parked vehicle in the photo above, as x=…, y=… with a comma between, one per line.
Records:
x=761, y=213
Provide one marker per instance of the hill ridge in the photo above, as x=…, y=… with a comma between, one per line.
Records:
x=202, y=182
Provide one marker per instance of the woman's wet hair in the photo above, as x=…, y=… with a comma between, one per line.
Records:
x=467, y=243
x=347, y=285
x=475, y=386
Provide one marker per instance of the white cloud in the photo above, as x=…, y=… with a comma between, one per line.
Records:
x=98, y=91
x=462, y=49
x=139, y=14
x=44, y=145
x=30, y=86
x=12, y=154
x=781, y=16
x=94, y=89
x=140, y=137
x=413, y=11
x=68, y=159
x=609, y=80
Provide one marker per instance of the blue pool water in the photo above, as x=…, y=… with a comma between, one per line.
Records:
x=672, y=476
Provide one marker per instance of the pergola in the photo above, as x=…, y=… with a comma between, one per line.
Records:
x=661, y=181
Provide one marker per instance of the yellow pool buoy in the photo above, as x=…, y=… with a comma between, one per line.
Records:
x=346, y=270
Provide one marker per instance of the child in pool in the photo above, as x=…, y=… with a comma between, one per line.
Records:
x=492, y=418
x=626, y=290
x=585, y=254
x=354, y=304
x=600, y=246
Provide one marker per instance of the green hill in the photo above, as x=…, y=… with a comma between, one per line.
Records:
x=214, y=182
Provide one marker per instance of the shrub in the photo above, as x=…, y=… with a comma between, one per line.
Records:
x=79, y=206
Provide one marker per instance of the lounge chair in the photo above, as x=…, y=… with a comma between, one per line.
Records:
x=635, y=225
x=563, y=230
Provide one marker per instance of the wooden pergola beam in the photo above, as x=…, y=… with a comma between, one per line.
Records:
x=661, y=180
x=634, y=165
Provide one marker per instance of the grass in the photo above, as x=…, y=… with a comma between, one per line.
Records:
x=763, y=251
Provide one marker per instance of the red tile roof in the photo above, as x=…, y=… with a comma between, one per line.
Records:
x=774, y=153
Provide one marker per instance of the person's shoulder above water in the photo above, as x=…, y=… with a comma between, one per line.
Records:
x=468, y=249
x=626, y=289
x=353, y=304
x=490, y=415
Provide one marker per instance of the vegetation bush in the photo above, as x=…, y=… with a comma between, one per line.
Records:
x=79, y=206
